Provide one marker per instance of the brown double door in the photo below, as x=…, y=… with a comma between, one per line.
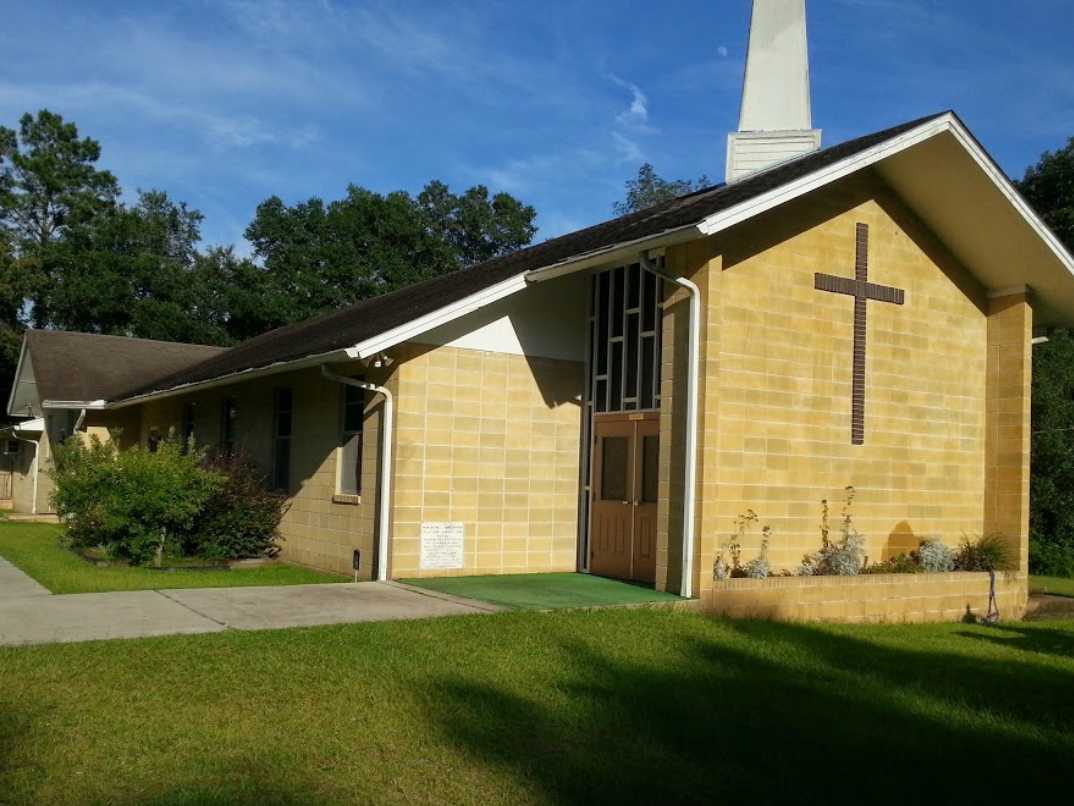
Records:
x=622, y=533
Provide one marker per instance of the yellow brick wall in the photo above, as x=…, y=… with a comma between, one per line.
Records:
x=1010, y=362
x=490, y=440
x=891, y=598
x=777, y=362
x=317, y=530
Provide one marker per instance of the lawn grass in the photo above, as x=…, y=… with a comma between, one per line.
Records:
x=1057, y=586
x=648, y=705
x=34, y=548
x=545, y=591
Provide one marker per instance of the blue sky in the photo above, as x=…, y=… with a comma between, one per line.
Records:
x=225, y=103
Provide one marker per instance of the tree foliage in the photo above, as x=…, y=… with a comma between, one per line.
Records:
x=648, y=189
x=74, y=256
x=1049, y=187
x=322, y=255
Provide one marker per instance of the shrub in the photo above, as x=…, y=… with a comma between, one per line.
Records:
x=902, y=564
x=1051, y=558
x=842, y=557
x=988, y=553
x=756, y=568
x=934, y=556
x=135, y=503
x=242, y=517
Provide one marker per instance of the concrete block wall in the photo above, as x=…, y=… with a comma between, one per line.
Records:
x=777, y=366
x=894, y=598
x=490, y=440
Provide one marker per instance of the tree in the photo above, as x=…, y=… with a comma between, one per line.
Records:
x=321, y=256
x=477, y=228
x=648, y=189
x=1049, y=187
x=48, y=181
x=126, y=272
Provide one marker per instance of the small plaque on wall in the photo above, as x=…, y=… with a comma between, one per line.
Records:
x=441, y=545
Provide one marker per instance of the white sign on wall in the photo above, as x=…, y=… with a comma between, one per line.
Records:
x=441, y=545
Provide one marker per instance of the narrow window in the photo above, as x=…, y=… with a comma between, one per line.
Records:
x=350, y=441
x=281, y=440
x=228, y=415
x=188, y=426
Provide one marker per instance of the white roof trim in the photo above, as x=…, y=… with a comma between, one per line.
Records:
x=18, y=378
x=416, y=327
x=945, y=123
x=74, y=404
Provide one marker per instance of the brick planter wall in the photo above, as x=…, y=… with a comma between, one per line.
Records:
x=869, y=598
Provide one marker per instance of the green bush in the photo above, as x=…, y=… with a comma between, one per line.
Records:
x=1051, y=558
x=136, y=503
x=988, y=553
x=242, y=517
x=901, y=564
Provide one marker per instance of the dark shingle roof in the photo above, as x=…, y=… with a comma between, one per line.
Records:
x=88, y=366
x=371, y=317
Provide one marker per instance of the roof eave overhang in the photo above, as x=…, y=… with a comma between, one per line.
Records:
x=343, y=354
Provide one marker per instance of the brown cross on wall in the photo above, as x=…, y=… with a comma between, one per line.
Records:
x=862, y=290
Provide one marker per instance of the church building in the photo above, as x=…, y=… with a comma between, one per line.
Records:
x=611, y=401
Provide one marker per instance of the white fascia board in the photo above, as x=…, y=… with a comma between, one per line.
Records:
x=90, y=405
x=441, y=316
x=18, y=378
x=945, y=123
x=615, y=254
x=792, y=190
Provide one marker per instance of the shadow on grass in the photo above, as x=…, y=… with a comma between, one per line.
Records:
x=1042, y=640
x=781, y=713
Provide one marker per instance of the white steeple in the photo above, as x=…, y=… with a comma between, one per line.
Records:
x=775, y=121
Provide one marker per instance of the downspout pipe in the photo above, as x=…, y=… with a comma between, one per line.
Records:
x=690, y=471
x=385, y=464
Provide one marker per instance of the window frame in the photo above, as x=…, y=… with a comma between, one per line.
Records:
x=229, y=412
x=343, y=495
x=281, y=471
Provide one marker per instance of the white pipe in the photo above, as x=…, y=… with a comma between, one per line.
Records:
x=385, y=464
x=690, y=491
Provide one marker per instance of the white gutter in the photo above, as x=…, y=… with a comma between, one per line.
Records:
x=84, y=405
x=689, y=502
x=385, y=464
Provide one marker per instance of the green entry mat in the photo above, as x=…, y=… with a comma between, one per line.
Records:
x=544, y=591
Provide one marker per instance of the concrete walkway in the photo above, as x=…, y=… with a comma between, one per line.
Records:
x=29, y=614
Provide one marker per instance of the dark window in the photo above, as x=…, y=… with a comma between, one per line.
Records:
x=613, y=468
x=281, y=439
x=228, y=415
x=350, y=441
x=12, y=446
x=650, y=468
